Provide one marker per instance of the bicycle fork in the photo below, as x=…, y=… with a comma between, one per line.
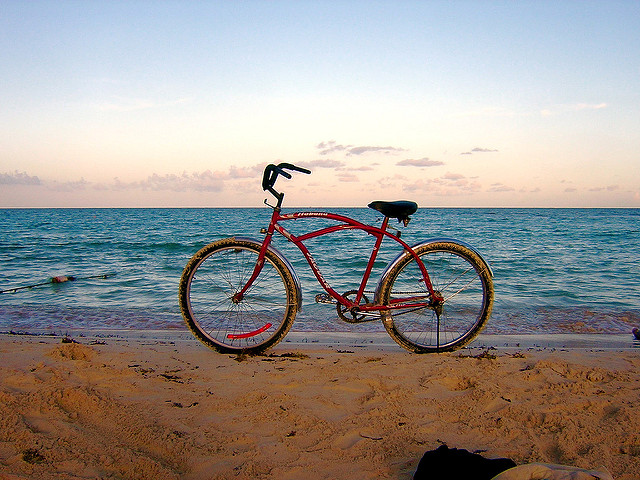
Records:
x=237, y=298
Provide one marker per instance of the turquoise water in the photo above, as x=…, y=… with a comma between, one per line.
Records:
x=555, y=270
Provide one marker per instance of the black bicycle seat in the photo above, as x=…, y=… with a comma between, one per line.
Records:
x=400, y=209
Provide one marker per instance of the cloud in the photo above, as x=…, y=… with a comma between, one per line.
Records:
x=118, y=185
x=390, y=182
x=488, y=111
x=18, y=178
x=321, y=163
x=491, y=111
x=206, y=181
x=364, y=168
x=362, y=150
x=610, y=188
x=332, y=147
x=246, y=172
x=422, y=162
x=479, y=150
x=577, y=107
x=69, y=186
x=347, y=177
x=121, y=104
x=588, y=106
x=449, y=185
x=500, y=188
x=420, y=185
x=453, y=176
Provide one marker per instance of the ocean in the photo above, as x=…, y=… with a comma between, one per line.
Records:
x=555, y=270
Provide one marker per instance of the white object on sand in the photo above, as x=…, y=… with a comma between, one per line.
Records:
x=541, y=471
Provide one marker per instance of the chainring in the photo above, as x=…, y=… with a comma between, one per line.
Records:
x=351, y=315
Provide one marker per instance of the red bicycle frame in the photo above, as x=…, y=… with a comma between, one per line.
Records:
x=346, y=224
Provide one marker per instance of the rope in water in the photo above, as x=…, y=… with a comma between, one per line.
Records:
x=53, y=280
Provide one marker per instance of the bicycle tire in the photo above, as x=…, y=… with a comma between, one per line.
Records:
x=461, y=277
x=208, y=284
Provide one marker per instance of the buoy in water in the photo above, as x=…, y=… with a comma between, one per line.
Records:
x=62, y=279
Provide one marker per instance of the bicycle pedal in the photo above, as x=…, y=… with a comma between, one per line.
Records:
x=324, y=298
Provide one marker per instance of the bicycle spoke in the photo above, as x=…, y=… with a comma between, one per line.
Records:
x=464, y=287
x=214, y=312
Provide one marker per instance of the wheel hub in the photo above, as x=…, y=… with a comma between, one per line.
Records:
x=437, y=303
x=237, y=298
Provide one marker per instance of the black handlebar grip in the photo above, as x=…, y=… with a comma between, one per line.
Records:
x=271, y=173
x=283, y=173
x=269, y=177
x=289, y=166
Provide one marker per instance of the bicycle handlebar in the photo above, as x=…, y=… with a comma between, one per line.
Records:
x=271, y=173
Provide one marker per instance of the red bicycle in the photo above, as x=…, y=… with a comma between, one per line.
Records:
x=240, y=295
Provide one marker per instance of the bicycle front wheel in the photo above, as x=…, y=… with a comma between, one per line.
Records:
x=206, y=296
x=460, y=276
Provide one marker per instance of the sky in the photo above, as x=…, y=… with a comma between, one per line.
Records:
x=447, y=103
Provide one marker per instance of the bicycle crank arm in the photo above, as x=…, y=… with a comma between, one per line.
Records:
x=361, y=317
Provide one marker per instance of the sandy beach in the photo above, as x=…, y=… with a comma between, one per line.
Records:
x=159, y=409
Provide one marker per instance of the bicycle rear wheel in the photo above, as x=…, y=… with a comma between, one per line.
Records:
x=462, y=279
x=206, y=297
